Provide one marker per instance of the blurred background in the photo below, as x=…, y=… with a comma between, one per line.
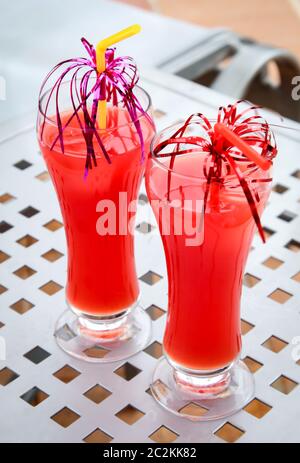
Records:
x=242, y=49
x=276, y=22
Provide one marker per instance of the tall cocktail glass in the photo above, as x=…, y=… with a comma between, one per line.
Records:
x=201, y=375
x=104, y=321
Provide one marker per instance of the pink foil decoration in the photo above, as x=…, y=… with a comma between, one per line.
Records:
x=115, y=84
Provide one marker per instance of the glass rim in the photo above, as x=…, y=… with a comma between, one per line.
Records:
x=51, y=122
x=157, y=161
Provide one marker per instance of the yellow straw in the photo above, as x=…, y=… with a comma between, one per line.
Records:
x=101, y=64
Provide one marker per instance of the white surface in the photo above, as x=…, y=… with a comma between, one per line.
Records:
x=35, y=35
x=21, y=422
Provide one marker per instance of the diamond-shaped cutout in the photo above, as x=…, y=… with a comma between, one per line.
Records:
x=257, y=408
x=280, y=296
x=37, y=355
x=52, y=255
x=293, y=246
x=23, y=164
x=148, y=391
x=284, y=385
x=150, y=278
x=158, y=113
x=252, y=364
x=296, y=277
x=246, y=327
x=250, y=280
x=155, y=350
x=127, y=371
x=97, y=352
x=268, y=232
x=5, y=226
x=6, y=197
x=287, y=216
x=29, y=212
x=51, y=288
x=43, y=176
x=65, y=333
x=274, y=344
x=34, y=396
x=278, y=188
x=1, y=325
x=22, y=306
x=3, y=289
x=65, y=417
x=24, y=272
x=98, y=437
x=144, y=227
x=272, y=263
x=163, y=435
x=27, y=241
x=130, y=414
x=160, y=387
x=97, y=394
x=53, y=225
x=296, y=174
x=7, y=376
x=229, y=433
x=66, y=374
x=193, y=410
x=155, y=312
x=3, y=257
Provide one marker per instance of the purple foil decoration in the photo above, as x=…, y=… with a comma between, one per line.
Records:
x=115, y=84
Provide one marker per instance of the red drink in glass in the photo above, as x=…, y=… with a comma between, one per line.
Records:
x=205, y=281
x=102, y=288
x=101, y=269
x=206, y=249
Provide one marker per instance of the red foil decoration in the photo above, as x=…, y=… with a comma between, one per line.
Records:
x=249, y=125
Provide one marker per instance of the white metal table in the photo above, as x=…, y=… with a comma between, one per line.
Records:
x=47, y=396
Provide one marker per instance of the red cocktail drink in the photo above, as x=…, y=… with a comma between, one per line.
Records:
x=101, y=268
x=98, y=212
x=207, y=205
x=205, y=274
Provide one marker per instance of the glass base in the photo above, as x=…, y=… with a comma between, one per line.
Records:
x=103, y=339
x=200, y=397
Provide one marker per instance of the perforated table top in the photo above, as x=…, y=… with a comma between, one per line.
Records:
x=47, y=396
